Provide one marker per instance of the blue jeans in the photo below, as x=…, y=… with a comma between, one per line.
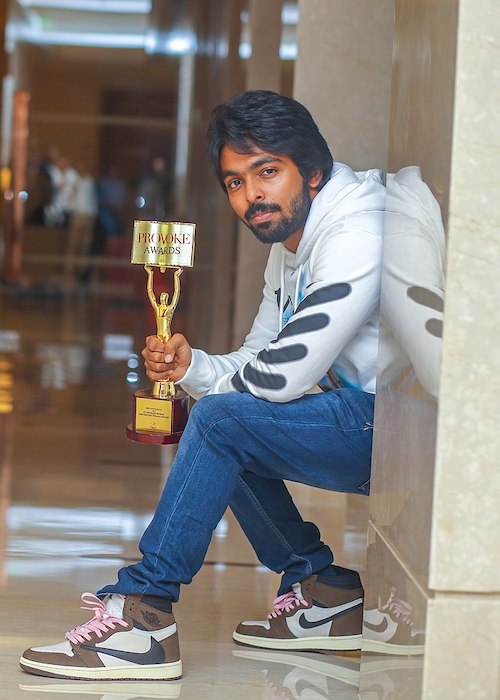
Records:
x=236, y=450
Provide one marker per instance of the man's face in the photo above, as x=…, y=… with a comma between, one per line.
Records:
x=268, y=193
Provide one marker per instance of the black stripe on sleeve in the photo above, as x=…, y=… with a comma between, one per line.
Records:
x=425, y=297
x=314, y=322
x=435, y=327
x=332, y=292
x=263, y=380
x=237, y=383
x=291, y=353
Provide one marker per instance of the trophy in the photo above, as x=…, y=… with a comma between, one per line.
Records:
x=160, y=413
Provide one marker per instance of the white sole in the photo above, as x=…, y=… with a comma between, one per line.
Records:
x=385, y=663
x=167, y=691
x=348, y=643
x=153, y=672
x=370, y=645
x=347, y=672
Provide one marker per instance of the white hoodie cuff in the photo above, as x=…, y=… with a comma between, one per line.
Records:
x=200, y=375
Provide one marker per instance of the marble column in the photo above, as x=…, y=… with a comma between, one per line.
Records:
x=3, y=53
x=433, y=574
x=219, y=74
x=343, y=75
x=464, y=569
x=263, y=72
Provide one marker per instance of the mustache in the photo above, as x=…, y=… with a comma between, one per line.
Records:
x=261, y=208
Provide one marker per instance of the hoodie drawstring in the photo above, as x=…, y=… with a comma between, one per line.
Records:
x=282, y=294
x=282, y=291
x=297, y=288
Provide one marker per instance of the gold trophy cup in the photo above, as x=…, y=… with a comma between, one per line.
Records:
x=160, y=413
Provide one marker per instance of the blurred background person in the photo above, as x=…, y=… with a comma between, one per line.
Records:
x=81, y=228
x=40, y=186
x=64, y=182
x=154, y=191
x=111, y=199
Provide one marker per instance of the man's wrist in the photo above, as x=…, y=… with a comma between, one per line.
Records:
x=188, y=372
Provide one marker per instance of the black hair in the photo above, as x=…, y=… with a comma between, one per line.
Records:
x=274, y=123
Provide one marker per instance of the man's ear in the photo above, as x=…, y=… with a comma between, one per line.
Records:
x=315, y=178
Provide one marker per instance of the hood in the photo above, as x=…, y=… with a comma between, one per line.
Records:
x=408, y=195
x=345, y=193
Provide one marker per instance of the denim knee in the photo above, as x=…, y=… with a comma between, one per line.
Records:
x=213, y=407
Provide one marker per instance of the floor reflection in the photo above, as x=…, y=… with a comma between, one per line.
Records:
x=75, y=496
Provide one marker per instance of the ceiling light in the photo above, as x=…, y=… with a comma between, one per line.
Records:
x=290, y=14
x=176, y=42
x=142, y=7
x=95, y=39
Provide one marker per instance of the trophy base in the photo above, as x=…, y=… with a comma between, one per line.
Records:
x=151, y=438
x=158, y=421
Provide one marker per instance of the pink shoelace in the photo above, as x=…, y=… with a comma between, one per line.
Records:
x=101, y=622
x=286, y=603
x=400, y=608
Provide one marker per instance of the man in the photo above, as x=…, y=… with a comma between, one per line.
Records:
x=254, y=424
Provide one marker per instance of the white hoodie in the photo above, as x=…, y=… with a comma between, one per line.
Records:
x=319, y=312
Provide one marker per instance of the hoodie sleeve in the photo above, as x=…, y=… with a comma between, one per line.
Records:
x=341, y=296
x=209, y=374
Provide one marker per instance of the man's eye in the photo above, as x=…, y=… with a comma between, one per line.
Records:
x=269, y=171
x=233, y=184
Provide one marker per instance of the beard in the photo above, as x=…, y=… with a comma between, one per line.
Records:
x=279, y=231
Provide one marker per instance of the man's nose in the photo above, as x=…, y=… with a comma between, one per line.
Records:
x=254, y=192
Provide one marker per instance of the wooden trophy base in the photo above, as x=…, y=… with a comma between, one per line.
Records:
x=158, y=421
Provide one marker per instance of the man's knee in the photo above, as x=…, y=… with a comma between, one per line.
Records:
x=214, y=407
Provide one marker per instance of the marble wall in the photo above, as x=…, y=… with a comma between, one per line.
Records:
x=434, y=516
x=414, y=259
x=343, y=75
x=433, y=579
x=467, y=488
x=464, y=571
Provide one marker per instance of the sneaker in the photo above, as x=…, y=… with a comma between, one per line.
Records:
x=125, y=640
x=389, y=628
x=314, y=616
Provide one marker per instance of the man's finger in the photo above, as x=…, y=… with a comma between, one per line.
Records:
x=154, y=344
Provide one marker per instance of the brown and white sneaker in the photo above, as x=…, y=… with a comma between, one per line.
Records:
x=389, y=628
x=314, y=616
x=125, y=640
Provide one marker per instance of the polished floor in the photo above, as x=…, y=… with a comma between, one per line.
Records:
x=75, y=496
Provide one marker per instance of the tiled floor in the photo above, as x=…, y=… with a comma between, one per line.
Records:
x=75, y=496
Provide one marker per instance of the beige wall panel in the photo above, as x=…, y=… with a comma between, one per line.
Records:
x=403, y=472
x=462, y=656
x=423, y=89
x=444, y=118
x=466, y=528
x=406, y=408
x=343, y=75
